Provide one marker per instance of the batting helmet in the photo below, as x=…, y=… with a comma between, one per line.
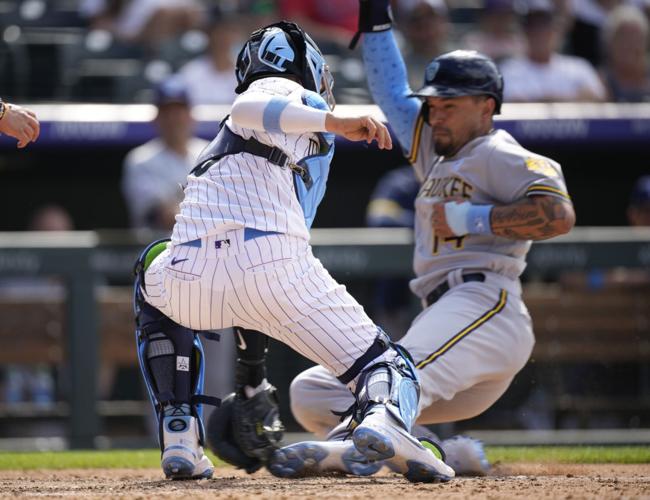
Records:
x=462, y=72
x=284, y=49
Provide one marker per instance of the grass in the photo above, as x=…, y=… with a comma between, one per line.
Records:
x=151, y=458
x=570, y=454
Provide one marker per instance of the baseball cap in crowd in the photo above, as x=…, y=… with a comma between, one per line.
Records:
x=171, y=91
x=641, y=191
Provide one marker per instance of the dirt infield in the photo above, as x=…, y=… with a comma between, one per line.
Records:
x=506, y=481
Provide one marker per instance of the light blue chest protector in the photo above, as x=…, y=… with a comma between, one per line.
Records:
x=310, y=188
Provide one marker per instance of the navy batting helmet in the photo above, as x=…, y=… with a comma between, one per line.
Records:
x=462, y=72
x=281, y=49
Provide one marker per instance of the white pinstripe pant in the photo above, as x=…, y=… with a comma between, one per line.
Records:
x=272, y=284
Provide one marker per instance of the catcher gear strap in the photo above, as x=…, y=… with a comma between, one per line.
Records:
x=374, y=16
x=171, y=356
x=376, y=349
x=394, y=384
x=245, y=432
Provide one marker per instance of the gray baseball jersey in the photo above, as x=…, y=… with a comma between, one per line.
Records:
x=491, y=169
x=469, y=344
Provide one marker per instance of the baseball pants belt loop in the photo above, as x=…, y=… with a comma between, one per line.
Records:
x=249, y=234
x=444, y=287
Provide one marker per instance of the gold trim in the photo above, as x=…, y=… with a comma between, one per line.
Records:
x=416, y=139
x=466, y=331
x=550, y=189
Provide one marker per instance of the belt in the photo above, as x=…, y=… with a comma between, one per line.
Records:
x=444, y=287
x=249, y=234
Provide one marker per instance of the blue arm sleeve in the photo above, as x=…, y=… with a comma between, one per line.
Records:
x=388, y=83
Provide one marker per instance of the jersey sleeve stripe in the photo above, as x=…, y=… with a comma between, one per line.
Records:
x=415, y=143
x=503, y=298
x=272, y=113
x=546, y=190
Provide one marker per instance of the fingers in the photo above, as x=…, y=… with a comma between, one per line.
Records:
x=380, y=134
x=22, y=124
x=371, y=127
x=384, y=140
x=34, y=126
x=439, y=221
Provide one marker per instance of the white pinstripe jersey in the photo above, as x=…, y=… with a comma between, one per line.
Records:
x=243, y=190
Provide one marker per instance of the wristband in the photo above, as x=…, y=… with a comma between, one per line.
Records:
x=466, y=218
x=478, y=219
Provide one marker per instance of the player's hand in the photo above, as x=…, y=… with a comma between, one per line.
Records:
x=362, y=128
x=20, y=123
x=439, y=219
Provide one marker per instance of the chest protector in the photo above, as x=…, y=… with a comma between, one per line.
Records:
x=310, y=189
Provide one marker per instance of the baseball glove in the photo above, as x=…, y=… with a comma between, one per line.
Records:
x=245, y=432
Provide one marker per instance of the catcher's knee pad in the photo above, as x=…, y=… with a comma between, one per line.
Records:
x=394, y=384
x=170, y=355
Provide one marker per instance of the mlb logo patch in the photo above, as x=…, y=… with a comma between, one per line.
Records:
x=219, y=244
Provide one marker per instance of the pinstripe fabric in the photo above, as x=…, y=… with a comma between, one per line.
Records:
x=273, y=284
x=243, y=190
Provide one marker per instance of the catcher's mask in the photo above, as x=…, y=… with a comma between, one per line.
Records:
x=283, y=48
x=462, y=72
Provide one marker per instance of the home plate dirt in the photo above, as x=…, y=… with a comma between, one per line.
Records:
x=506, y=481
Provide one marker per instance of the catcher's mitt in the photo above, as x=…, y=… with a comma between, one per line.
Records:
x=245, y=432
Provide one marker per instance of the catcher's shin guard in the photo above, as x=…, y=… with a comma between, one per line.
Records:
x=387, y=405
x=172, y=363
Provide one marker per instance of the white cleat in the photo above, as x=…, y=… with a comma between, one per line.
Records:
x=183, y=456
x=313, y=458
x=381, y=437
x=466, y=456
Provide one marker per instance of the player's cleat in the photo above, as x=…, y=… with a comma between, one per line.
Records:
x=466, y=456
x=381, y=437
x=183, y=456
x=312, y=458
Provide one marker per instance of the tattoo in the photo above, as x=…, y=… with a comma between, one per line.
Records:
x=534, y=218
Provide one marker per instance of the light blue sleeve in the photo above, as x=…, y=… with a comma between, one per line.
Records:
x=388, y=83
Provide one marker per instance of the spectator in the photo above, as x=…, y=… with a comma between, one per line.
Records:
x=584, y=37
x=392, y=205
x=210, y=79
x=155, y=172
x=332, y=24
x=147, y=22
x=626, y=74
x=425, y=26
x=544, y=74
x=19, y=123
x=498, y=34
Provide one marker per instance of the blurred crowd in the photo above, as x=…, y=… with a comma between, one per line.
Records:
x=119, y=50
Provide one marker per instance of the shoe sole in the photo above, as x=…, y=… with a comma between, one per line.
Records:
x=178, y=468
x=376, y=446
x=310, y=459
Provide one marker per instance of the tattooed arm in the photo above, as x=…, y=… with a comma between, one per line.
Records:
x=533, y=218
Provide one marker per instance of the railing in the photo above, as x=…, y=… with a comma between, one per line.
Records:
x=82, y=259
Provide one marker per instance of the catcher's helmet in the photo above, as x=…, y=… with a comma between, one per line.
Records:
x=284, y=49
x=462, y=72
